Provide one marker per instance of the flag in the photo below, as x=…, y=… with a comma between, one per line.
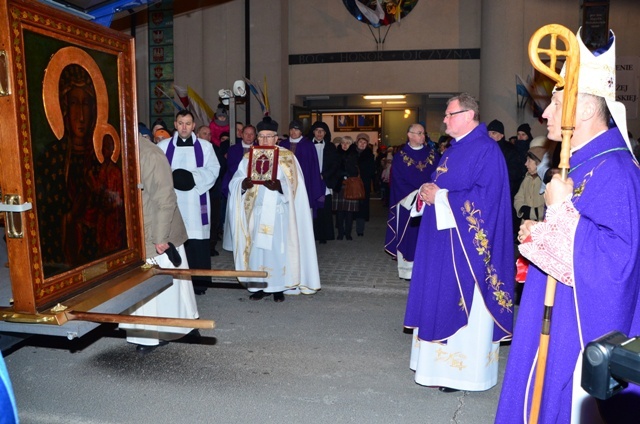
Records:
x=259, y=95
x=525, y=93
x=202, y=112
x=175, y=104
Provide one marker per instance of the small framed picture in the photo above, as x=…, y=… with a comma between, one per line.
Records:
x=367, y=122
x=344, y=122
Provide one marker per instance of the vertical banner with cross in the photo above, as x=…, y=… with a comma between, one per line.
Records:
x=161, y=62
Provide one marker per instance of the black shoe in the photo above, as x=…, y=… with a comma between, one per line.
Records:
x=278, y=297
x=349, y=238
x=340, y=237
x=214, y=252
x=447, y=390
x=193, y=336
x=360, y=234
x=199, y=291
x=146, y=349
x=323, y=242
x=259, y=295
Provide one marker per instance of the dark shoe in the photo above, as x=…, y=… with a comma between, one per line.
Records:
x=146, y=349
x=214, y=252
x=360, y=234
x=259, y=295
x=349, y=238
x=278, y=297
x=323, y=242
x=447, y=390
x=199, y=291
x=340, y=237
x=193, y=336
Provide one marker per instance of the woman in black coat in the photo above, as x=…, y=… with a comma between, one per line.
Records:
x=367, y=168
x=347, y=158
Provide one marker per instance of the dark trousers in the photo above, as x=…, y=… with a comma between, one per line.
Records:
x=323, y=224
x=198, y=257
x=344, y=223
x=215, y=221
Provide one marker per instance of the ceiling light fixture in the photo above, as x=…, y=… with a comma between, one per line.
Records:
x=397, y=102
x=384, y=96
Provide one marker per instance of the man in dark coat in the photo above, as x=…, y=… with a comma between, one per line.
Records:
x=307, y=156
x=367, y=167
x=328, y=162
x=515, y=165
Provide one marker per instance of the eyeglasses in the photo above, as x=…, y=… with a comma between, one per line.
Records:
x=266, y=137
x=417, y=132
x=450, y=114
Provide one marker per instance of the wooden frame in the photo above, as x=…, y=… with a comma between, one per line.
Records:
x=263, y=164
x=69, y=149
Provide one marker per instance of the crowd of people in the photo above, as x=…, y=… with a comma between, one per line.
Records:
x=472, y=197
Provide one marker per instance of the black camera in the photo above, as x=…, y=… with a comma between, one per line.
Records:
x=609, y=364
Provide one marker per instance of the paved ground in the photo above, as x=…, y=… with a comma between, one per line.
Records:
x=340, y=356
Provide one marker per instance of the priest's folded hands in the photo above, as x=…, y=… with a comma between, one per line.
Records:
x=273, y=185
x=428, y=193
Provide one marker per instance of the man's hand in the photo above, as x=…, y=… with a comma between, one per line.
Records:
x=525, y=230
x=557, y=190
x=247, y=183
x=428, y=193
x=273, y=185
x=161, y=247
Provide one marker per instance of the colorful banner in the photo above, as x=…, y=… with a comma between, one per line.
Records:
x=161, y=63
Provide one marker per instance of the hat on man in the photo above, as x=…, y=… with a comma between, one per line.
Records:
x=295, y=124
x=496, y=126
x=267, y=124
x=363, y=136
x=525, y=128
x=597, y=76
x=142, y=129
x=162, y=133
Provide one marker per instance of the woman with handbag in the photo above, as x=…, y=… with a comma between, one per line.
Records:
x=343, y=207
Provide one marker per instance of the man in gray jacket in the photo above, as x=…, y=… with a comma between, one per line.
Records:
x=164, y=234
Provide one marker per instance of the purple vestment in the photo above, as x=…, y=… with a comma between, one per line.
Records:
x=308, y=159
x=607, y=281
x=409, y=170
x=479, y=252
x=234, y=156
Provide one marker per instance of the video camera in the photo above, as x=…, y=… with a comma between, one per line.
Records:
x=609, y=364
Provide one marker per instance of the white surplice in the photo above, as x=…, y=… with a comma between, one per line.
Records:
x=176, y=301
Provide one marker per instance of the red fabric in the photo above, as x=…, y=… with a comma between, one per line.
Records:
x=522, y=266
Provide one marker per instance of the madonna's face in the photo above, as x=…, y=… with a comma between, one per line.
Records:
x=81, y=112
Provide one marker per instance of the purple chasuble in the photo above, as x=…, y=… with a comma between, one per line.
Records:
x=409, y=170
x=449, y=263
x=607, y=285
x=308, y=159
x=234, y=156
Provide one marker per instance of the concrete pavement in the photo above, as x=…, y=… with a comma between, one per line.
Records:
x=339, y=356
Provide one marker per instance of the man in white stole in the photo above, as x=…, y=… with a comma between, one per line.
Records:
x=271, y=226
x=162, y=225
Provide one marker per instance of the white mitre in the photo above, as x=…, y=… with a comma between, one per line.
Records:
x=597, y=76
